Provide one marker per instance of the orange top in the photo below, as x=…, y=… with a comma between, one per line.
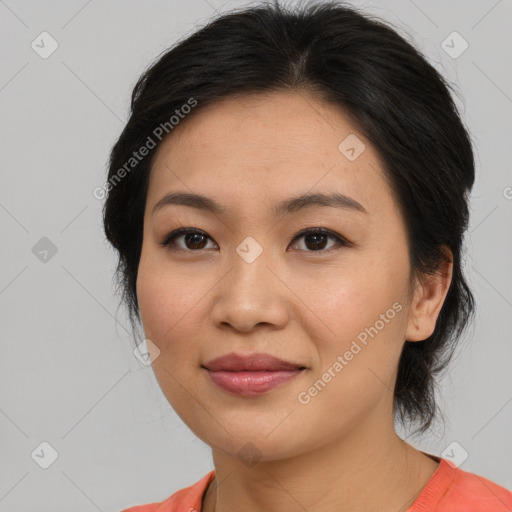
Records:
x=450, y=489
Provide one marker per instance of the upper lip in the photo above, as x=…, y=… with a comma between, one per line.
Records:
x=255, y=362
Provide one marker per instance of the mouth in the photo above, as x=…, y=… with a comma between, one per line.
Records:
x=251, y=375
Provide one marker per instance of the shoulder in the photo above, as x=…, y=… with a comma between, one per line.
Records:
x=452, y=489
x=476, y=492
x=187, y=499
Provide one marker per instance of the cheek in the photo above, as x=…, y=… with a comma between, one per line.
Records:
x=161, y=301
x=349, y=300
x=168, y=309
x=357, y=326
x=358, y=355
x=171, y=304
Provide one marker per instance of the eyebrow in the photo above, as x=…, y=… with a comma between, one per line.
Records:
x=286, y=207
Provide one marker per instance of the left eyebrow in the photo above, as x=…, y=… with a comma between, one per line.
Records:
x=286, y=207
x=323, y=199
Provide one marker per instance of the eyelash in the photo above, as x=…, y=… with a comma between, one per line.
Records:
x=341, y=241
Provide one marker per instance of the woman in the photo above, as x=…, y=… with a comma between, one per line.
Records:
x=289, y=201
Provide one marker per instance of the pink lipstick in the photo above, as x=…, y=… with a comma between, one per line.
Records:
x=251, y=375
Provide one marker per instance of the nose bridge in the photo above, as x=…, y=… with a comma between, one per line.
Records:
x=250, y=293
x=250, y=262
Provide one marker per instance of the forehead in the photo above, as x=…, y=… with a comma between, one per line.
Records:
x=273, y=144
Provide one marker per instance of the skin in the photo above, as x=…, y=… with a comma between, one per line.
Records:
x=294, y=302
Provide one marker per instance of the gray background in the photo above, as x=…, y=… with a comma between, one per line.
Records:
x=68, y=373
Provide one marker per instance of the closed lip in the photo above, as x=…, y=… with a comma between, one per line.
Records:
x=252, y=362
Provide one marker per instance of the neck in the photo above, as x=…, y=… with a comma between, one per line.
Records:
x=369, y=469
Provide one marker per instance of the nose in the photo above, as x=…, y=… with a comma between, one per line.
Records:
x=251, y=294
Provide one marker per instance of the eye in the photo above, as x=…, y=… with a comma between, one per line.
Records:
x=194, y=239
x=316, y=238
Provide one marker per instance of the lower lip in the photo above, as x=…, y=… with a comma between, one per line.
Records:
x=251, y=383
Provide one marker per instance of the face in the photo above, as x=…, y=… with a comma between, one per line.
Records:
x=334, y=302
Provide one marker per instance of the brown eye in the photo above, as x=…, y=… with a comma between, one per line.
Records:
x=193, y=239
x=316, y=239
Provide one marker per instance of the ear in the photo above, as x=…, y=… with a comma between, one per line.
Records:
x=429, y=295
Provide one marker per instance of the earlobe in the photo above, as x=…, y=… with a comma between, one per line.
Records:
x=429, y=296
